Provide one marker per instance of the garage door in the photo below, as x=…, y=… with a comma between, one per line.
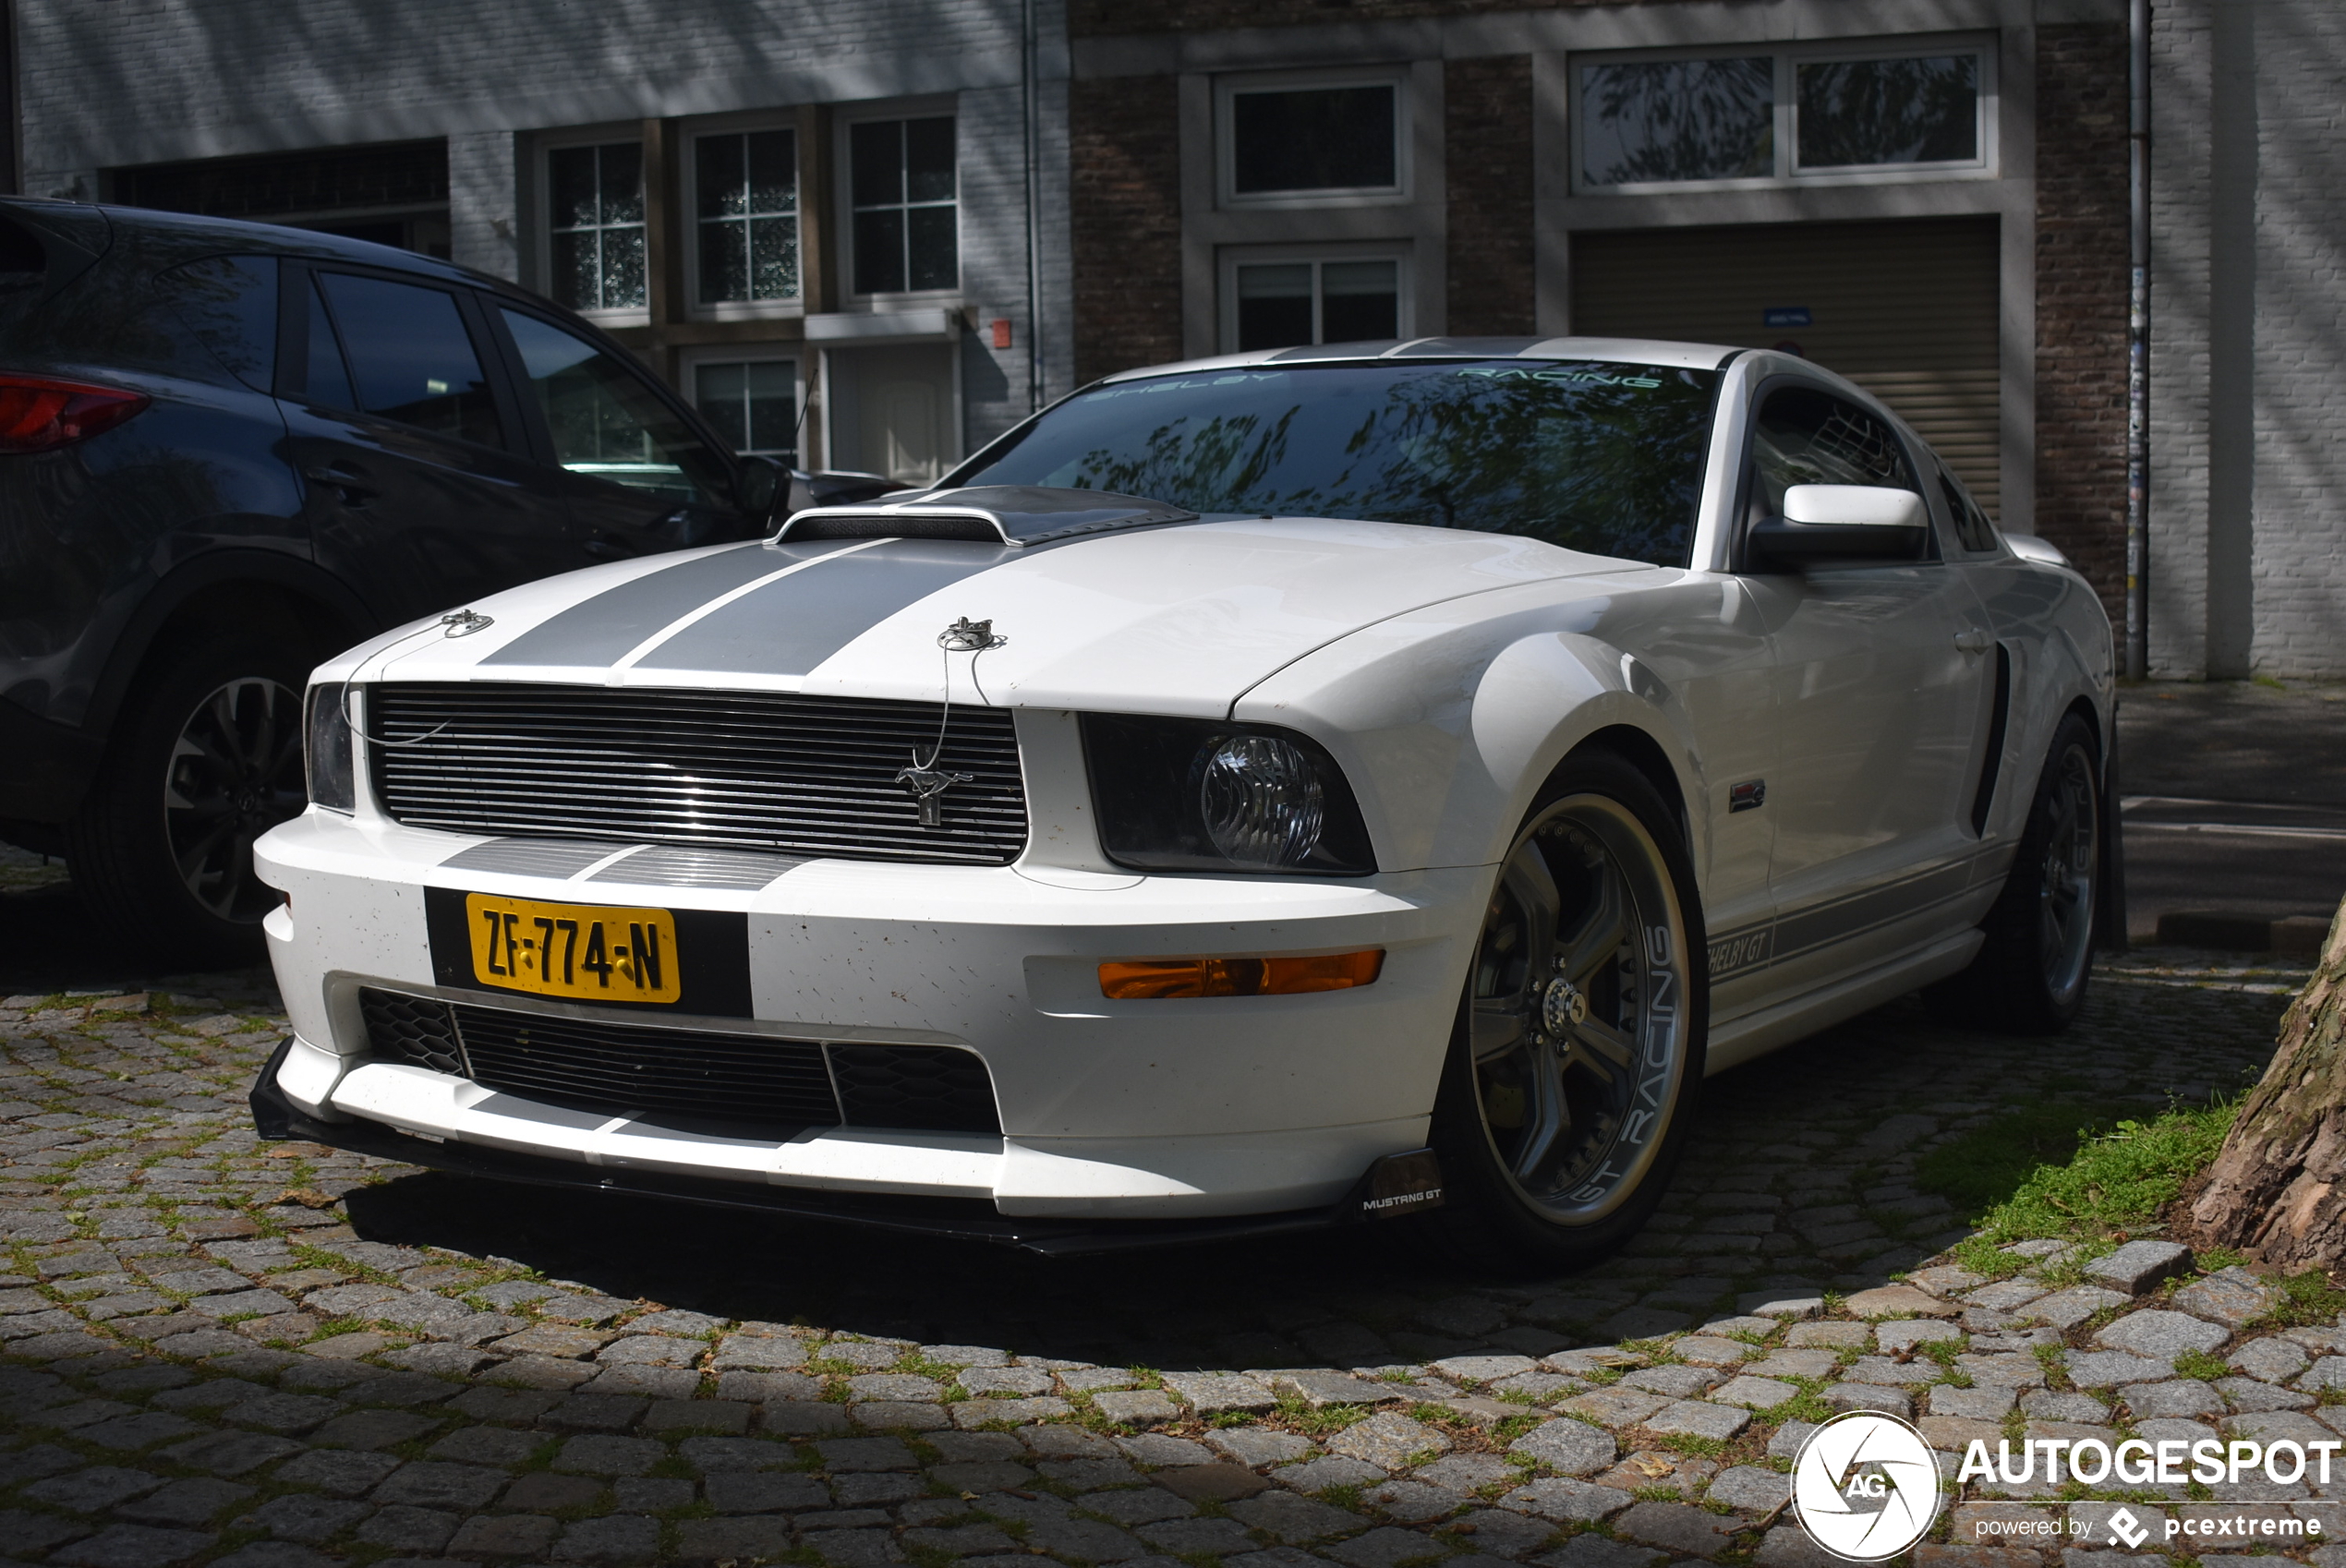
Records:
x=1906, y=309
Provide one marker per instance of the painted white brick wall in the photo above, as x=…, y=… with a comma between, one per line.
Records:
x=2277, y=308
x=136, y=81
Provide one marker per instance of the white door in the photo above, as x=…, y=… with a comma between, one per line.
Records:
x=1878, y=708
x=900, y=429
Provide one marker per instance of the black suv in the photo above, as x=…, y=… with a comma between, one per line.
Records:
x=228, y=450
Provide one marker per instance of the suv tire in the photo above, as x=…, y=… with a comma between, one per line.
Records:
x=204, y=759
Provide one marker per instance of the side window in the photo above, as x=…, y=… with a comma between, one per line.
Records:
x=1971, y=524
x=607, y=424
x=1809, y=436
x=411, y=358
x=329, y=377
x=230, y=304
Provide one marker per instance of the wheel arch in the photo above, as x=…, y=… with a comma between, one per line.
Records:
x=225, y=590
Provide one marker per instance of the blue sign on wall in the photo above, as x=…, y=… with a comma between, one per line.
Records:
x=1786, y=316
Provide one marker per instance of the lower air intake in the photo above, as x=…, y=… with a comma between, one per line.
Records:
x=735, y=1085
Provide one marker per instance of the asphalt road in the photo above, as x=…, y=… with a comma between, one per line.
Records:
x=2235, y=800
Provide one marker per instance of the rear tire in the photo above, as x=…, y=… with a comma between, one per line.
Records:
x=1578, y=1054
x=2029, y=976
x=204, y=759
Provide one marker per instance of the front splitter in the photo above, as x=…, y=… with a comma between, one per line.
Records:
x=957, y=1218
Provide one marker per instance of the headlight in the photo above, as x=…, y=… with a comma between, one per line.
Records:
x=1181, y=795
x=325, y=749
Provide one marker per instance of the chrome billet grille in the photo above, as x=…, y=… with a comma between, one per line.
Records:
x=768, y=771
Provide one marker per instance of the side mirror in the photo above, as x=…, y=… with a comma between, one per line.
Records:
x=757, y=487
x=1844, y=523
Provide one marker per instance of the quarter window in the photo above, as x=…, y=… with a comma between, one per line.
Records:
x=1315, y=141
x=751, y=404
x=597, y=242
x=905, y=206
x=745, y=189
x=1285, y=304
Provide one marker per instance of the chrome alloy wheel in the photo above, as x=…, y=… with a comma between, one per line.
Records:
x=234, y=773
x=2066, y=884
x=1580, y=990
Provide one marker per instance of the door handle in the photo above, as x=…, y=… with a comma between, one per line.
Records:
x=1972, y=640
x=353, y=485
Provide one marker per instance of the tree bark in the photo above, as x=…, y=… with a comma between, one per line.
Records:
x=2278, y=1188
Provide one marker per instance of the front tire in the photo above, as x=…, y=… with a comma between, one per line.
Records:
x=205, y=758
x=2029, y=975
x=1577, y=1056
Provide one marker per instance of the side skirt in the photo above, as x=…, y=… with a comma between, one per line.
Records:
x=1755, y=1034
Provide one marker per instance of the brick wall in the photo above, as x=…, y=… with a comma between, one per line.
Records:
x=1125, y=157
x=1487, y=149
x=2081, y=301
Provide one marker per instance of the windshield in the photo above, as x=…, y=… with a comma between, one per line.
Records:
x=1602, y=458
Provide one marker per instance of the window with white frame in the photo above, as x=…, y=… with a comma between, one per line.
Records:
x=1827, y=111
x=904, y=209
x=595, y=223
x=745, y=216
x=1310, y=140
x=752, y=403
x=1285, y=301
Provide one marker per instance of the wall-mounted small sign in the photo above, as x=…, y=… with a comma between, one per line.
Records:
x=1786, y=316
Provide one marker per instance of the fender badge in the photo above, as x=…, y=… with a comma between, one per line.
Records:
x=1746, y=796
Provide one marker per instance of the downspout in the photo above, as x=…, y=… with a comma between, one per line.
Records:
x=1028, y=69
x=2138, y=343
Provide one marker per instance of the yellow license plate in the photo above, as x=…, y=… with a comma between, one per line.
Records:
x=583, y=952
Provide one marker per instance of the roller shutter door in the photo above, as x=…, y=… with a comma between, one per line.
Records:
x=1907, y=310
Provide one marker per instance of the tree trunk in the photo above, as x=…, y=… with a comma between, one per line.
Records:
x=2278, y=1188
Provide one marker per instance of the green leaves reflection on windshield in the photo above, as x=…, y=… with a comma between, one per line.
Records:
x=1602, y=458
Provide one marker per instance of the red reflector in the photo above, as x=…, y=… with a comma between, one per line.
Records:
x=37, y=414
x=1138, y=979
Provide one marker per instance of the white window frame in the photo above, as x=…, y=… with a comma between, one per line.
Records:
x=688, y=368
x=1788, y=58
x=543, y=167
x=688, y=215
x=1228, y=88
x=1236, y=256
x=843, y=199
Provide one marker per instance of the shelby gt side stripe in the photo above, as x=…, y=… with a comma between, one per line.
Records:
x=1837, y=920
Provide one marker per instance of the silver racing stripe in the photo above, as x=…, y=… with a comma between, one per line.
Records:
x=796, y=622
x=598, y=632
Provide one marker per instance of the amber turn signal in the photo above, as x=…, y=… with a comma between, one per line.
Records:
x=1140, y=979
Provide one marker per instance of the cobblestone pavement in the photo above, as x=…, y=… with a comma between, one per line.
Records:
x=283, y=1357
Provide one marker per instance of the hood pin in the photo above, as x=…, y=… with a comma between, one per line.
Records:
x=464, y=622
x=925, y=780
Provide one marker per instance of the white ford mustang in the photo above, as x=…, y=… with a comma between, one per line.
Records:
x=1342, y=782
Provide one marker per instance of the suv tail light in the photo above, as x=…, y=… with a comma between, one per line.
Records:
x=37, y=414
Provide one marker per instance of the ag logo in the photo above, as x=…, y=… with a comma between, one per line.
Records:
x=1866, y=1487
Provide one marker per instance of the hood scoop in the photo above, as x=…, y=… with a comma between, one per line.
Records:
x=993, y=514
